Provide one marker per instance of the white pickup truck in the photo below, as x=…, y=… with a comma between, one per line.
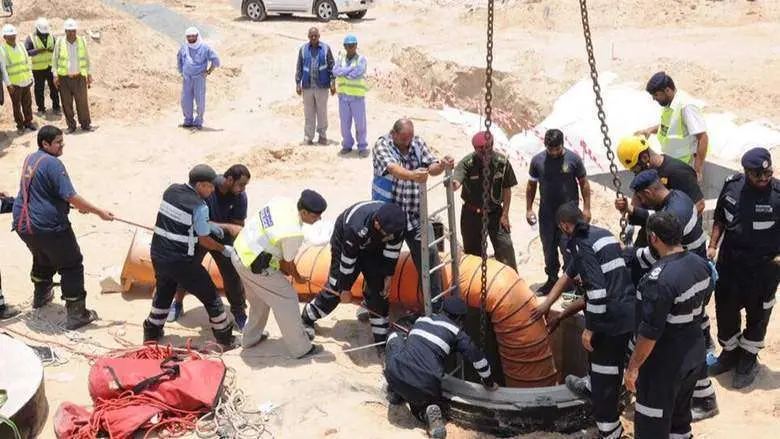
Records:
x=324, y=10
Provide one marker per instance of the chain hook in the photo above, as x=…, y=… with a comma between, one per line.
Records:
x=594, y=75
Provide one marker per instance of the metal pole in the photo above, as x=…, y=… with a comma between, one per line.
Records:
x=453, y=235
x=424, y=268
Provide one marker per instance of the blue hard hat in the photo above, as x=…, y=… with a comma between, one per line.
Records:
x=350, y=39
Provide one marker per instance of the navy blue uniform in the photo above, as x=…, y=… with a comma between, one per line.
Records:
x=670, y=304
x=40, y=218
x=356, y=248
x=414, y=366
x=694, y=240
x=748, y=278
x=227, y=208
x=609, y=313
x=558, y=185
x=174, y=251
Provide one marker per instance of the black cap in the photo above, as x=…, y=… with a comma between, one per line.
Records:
x=454, y=306
x=202, y=173
x=644, y=179
x=391, y=218
x=312, y=201
x=756, y=159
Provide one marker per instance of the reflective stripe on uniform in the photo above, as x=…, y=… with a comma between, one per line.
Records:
x=692, y=291
x=613, y=264
x=449, y=326
x=604, y=370
x=597, y=294
x=676, y=319
x=174, y=213
x=648, y=411
x=431, y=338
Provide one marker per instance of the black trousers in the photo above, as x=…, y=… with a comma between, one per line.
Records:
x=234, y=288
x=192, y=277
x=663, y=403
x=57, y=252
x=550, y=235
x=374, y=281
x=751, y=287
x=471, y=231
x=43, y=77
x=417, y=398
x=607, y=363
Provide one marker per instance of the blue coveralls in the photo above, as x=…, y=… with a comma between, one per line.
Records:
x=192, y=64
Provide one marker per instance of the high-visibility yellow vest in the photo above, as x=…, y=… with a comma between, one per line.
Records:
x=17, y=64
x=63, y=57
x=42, y=60
x=673, y=134
x=279, y=219
x=351, y=87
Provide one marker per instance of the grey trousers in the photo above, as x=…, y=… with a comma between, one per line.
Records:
x=315, y=111
x=267, y=291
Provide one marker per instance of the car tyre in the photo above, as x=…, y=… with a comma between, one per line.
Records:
x=255, y=10
x=325, y=10
x=357, y=15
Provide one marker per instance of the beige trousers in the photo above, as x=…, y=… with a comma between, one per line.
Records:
x=267, y=291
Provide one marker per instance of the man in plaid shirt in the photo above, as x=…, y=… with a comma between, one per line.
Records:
x=402, y=161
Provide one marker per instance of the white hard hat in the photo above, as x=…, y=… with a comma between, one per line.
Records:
x=42, y=25
x=9, y=30
x=70, y=24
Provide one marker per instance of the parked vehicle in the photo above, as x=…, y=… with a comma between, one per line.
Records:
x=324, y=10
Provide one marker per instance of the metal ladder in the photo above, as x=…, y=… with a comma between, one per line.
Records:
x=427, y=244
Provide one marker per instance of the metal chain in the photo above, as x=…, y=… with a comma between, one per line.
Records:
x=486, y=160
x=594, y=75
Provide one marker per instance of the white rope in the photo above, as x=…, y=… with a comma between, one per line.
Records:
x=232, y=417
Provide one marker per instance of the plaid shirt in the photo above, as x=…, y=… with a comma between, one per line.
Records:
x=405, y=193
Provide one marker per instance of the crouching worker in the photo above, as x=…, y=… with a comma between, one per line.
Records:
x=265, y=253
x=367, y=238
x=595, y=256
x=183, y=225
x=414, y=366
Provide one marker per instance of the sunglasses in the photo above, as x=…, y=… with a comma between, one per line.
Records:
x=760, y=173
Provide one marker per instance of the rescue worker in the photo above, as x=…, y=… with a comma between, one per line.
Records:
x=650, y=192
x=40, y=218
x=595, y=256
x=73, y=75
x=682, y=132
x=7, y=310
x=636, y=155
x=746, y=218
x=195, y=62
x=181, y=227
x=350, y=73
x=227, y=207
x=40, y=47
x=265, y=254
x=468, y=173
x=402, y=161
x=669, y=355
x=367, y=238
x=414, y=365
x=313, y=78
x=18, y=78
x=557, y=172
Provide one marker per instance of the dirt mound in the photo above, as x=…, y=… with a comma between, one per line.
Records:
x=438, y=83
x=134, y=67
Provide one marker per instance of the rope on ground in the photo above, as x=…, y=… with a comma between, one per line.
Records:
x=232, y=417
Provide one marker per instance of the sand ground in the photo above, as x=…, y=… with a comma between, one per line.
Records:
x=421, y=54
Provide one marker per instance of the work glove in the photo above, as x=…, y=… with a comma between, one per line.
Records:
x=228, y=251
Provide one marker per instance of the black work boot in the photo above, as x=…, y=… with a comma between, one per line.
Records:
x=43, y=294
x=308, y=324
x=726, y=362
x=435, y=420
x=225, y=338
x=747, y=369
x=78, y=315
x=704, y=408
x=8, y=311
x=152, y=332
x=394, y=398
x=579, y=386
x=545, y=289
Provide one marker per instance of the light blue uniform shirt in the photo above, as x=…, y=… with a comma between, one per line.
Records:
x=193, y=62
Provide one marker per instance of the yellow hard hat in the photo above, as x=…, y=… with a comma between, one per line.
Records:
x=629, y=149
